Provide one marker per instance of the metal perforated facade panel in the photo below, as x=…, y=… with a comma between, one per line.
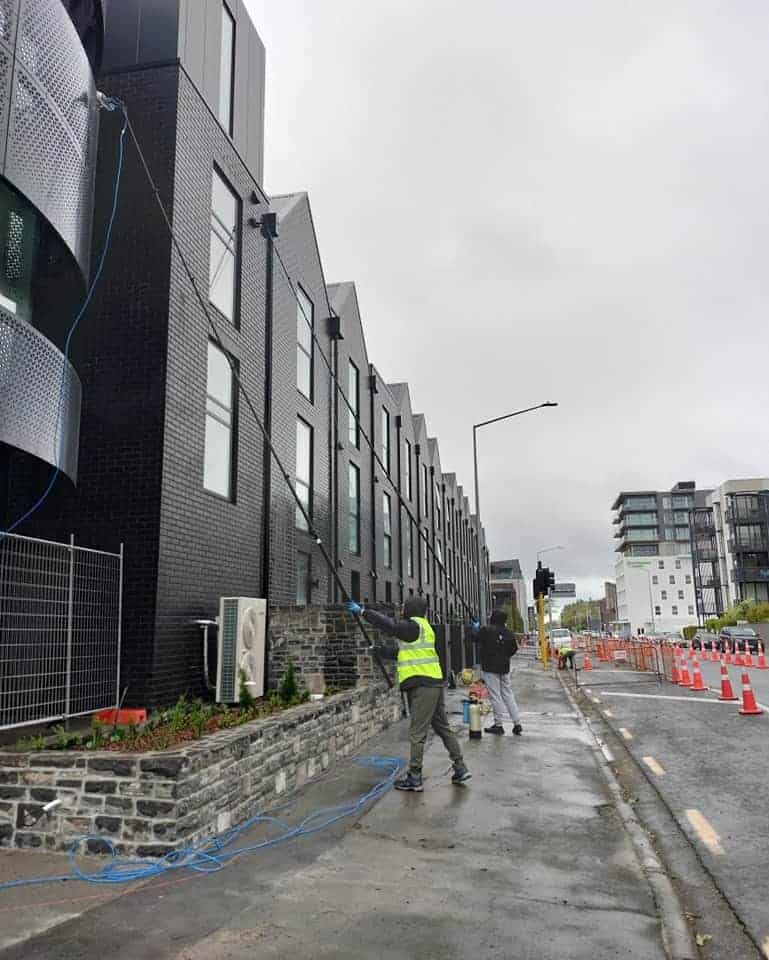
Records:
x=48, y=113
x=39, y=396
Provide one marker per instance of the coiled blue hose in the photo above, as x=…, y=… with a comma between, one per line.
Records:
x=214, y=853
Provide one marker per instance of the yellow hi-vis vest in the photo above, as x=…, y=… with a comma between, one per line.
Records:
x=420, y=658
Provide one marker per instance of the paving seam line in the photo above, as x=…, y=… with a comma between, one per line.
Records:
x=694, y=847
x=676, y=935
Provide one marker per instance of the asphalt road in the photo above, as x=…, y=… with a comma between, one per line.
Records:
x=708, y=763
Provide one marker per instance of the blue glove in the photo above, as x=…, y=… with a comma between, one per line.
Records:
x=475, y=624
x=354, y=608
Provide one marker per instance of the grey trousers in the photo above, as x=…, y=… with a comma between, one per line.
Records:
x=428, y=708
x=502, y=698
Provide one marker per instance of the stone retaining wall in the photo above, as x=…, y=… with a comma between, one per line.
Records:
x=150, y=804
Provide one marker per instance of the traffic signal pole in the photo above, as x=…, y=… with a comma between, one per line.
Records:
x=541, y=623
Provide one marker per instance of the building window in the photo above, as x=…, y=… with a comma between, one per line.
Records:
x=387, y=526
x=407, y=469
x=688, y=578
x=426, y=487
x=661, y=564
x=678, y=564
x=655, y=579
x=410, y=547
x=425, y=559
x=672, y=578
x=227, y=70
x=658, y=611
x=225, y=247
x=353, y=398
x=217, y=469
x=664, y=594
x=388, y=592
x=680, y=595
x=386, y=440
x=303, y=471
x=439, y=563
x=302, y=579
x=682, y=533
x=355, y=586
x=353, y=509
x=437, y=507
x=691, y=610
x=305, y=325
x=675, y=610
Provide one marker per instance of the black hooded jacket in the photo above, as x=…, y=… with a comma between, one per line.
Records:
x=496, y=644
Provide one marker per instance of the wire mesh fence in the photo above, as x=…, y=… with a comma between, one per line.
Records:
x=60, y=622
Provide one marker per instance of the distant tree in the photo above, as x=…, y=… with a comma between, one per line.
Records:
x=514, y=619
x=582, y=615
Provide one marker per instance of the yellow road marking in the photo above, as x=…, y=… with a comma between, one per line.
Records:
x=654, y=766
x=765, y=946
x=705, y=832
x=608, y=713
x=627, y=735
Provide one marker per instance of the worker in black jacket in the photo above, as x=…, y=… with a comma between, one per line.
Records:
x=497, y=645
x=421, y=678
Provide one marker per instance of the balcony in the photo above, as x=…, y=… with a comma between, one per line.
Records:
x=744, y=514
x=749, y=573
x=753, y=544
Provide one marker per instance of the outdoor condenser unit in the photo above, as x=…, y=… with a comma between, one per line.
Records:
x=241, y=647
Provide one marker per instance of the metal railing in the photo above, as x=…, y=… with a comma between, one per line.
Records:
x=60, y=630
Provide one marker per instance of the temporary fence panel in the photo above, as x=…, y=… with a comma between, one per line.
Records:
x=60, y=628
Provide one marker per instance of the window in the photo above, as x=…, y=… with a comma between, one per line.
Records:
x=682, y=533
x=225, y=247
x=386, y=440
x=678, y=564
x=680, y=595
x=664, y=594
x=691, y=610
x=426, y=488
x=353, y=509
x=227, y=70
x=655, y=579
x=675, y=610
x=658, y=611
x=672, y=578
x=305, y=325
x=353, y=398
x=688, y=578
x=407, y=469
x=388, y=530
x=667, y=503
x=410, y=547
x=217, y=468
x=302, y=579
x=388, y=592
x=425, y=559
x=439, y=564
x=681, y=517
x=661, y=564
x=437, y=507
x=303, y=471
x=355, y=586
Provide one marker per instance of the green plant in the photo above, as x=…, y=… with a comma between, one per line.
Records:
x=97, y=738
x=689, y=632
x=288, y=688
x=64, y=738
x=38, y=742
x=245, y=697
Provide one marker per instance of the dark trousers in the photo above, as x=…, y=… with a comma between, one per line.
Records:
x=563, y=658
x=428, y=709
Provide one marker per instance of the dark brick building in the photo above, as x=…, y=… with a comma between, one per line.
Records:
x=172, y=462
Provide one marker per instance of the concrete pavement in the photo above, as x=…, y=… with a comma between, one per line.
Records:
x=708, y=764
x=529, y=860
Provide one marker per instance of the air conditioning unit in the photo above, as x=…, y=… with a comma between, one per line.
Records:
x=241, y=647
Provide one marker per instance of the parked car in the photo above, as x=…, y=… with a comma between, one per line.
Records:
x=559, y=634
x=740, y=635
x=704, y=639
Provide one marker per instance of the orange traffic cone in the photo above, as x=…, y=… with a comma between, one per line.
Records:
x=587, y=665
x=747, y=658
x=761, y=664
x=603, y=657
x=686, y=680
x=675, y=675
x=749, y=706
x=726, y=684
x=714, y=657
x=736, y=655
x=697, y=684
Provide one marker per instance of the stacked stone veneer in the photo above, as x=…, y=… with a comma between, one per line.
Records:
x=150, y=804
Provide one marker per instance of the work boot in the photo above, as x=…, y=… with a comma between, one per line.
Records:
x=496, y=728
x=411, y=782
x=517, y=729
x=461, y=773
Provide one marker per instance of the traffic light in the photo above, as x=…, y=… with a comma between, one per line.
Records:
x=550, y=579
x=544, y=581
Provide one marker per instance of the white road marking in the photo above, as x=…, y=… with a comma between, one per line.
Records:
x=705, y=832
x=656, y=696
x=626, y=734
x=596, y=700
x=607, y=713
x=654, y=766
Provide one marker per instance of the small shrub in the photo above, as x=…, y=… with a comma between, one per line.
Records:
x=288, y=689
x=246, y=698
x=38, y=742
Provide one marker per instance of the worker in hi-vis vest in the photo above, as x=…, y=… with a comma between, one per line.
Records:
x=421, y=679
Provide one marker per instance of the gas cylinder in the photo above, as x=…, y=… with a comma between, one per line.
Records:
x=475, y=721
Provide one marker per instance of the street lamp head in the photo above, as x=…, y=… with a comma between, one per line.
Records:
x=549, y=404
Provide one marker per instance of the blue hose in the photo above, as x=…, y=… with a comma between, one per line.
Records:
x=214, y=853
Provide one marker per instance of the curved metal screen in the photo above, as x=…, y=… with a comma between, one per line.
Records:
x=49, y=118
x=39, y=396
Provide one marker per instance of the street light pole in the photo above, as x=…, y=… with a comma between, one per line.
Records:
x=485, y=423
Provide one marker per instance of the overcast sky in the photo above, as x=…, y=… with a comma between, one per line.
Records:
x=545, y=201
